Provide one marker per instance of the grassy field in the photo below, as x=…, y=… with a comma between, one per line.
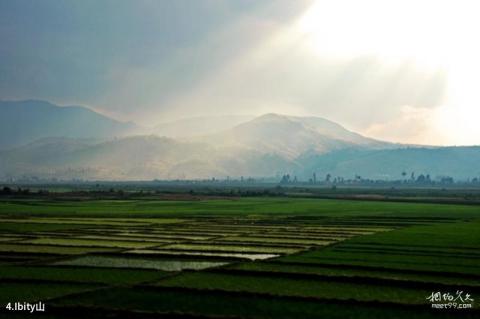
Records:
x=238, y=258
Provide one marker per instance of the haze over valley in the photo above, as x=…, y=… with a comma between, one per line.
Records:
x=68, y=143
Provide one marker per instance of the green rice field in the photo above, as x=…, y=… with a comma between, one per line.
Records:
x=238, y=258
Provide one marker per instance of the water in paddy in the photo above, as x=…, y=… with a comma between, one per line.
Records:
x=122, y=262
x=252, y=256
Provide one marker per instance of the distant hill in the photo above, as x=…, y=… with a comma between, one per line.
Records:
x=134, y=158
x=458, y=162
x=292, y=136
x=199, y=126
x=266, y=146
x=22, y=122
x=336, y=131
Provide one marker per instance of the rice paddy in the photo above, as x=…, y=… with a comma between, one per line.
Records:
x=259, y=258
x=123, y=262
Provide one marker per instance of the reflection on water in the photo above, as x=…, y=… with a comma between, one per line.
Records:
x=209, y=254
x=123, y=262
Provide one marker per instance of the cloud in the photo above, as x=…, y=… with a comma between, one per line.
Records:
x=412, y=125
x=152, y=61
x=281, y=74
x=121, y=56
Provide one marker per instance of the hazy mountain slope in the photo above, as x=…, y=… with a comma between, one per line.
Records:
x=139, y=157
x=25, y=121
x=266, y=146
x=458, y=162
x=151, y=157
x=336, y=131
x=291, y=136
x=197, y=126
x=134, y=158
x=49, y=149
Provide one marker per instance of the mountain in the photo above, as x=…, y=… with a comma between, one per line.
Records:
x=25, y=121
x=133, y=158
x=458, y=162
x=292, y=136
x=266, y=146
x=336, y=131
x=198, y=126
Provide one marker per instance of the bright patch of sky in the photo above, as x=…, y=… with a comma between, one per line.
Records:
x=397, y=70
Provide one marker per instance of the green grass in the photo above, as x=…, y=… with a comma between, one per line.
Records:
x=246, y=206
x=26, y=227
x=91, y=275
x=150, y=239
x=437, y=248
x=352, y=271
x=231, y=248
x=408, y=249
x=46, y=249
x=458, y=235
x=89, y=243
x=296, y=287
x=30, y=292
x=75, y=221
x=241, y=306
x=141, y=234
x=392, y=261
x=7, y=238
x=346, y=229
x=266, y=239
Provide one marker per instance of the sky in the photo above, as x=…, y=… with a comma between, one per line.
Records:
x=403, y=71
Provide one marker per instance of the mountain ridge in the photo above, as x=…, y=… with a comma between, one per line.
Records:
x=24, y=121
x=265, y=146
x=153, y=157
x=292, y=136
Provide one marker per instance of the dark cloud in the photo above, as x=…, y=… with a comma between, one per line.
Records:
x=82, y=51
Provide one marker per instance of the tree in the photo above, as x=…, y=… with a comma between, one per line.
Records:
x=421, y=179
x=285, y=179
x=446, y=180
